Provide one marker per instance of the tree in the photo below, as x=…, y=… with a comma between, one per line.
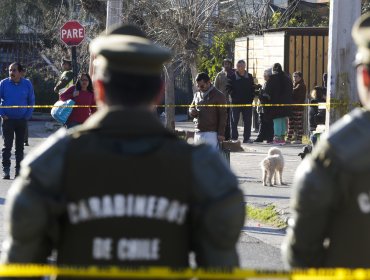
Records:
x=210, y=57
x=181, y=25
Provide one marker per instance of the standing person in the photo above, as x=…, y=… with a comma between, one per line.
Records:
x=220, y=83
x=15, y=91
x=121, y=189
x=66, y=78
x=266, y=124
x=331, y=199
x=241, y=89
x=295, y=124
x=279, y=87
x=316, y=115
x=83, y=95
x=210, y=121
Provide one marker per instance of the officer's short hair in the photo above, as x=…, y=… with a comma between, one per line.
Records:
x=241, y=61
x=129, y=64
x=202, y=77
x=130, y=89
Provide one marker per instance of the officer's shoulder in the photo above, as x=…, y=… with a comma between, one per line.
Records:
x=46, y=161
x=212, y=175
x=349, y=139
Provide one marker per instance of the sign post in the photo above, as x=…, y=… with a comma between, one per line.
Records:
x=72, y=33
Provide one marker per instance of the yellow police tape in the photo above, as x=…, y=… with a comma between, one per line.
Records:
x=19, y=270
x=327, y=105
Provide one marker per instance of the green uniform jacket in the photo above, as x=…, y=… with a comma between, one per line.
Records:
x=331, y=201
x=73, y=197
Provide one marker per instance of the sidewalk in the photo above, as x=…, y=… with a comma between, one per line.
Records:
x=246, y=166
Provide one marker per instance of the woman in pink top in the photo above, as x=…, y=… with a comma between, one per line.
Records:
x=83, y=94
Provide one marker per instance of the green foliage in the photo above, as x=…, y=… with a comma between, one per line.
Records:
x=210, y=57
x=267, y=215
x=43, y=85
x=275, y=18
x=300, y=19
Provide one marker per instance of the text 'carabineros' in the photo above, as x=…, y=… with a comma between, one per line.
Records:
x=134, y=206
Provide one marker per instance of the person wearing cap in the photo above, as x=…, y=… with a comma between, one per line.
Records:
x=220, y=83
x=121, y=189
x=331, y=200
x=66, y=78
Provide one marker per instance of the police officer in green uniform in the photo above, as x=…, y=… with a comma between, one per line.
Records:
x=331, y=202
x=66, y=78
x=121, y=189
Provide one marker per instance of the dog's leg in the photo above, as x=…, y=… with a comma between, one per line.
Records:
x=277, y=177
x=264, y=177
x=281, y=177
x=270, y=176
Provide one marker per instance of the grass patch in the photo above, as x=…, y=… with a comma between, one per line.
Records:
x=268, y=215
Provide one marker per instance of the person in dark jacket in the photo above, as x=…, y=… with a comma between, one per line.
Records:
x=15, y=91
x=121, y=189
x=66, y=78
x=295, y=124
x=266, y=124
x=210, y=121
x=279, y=87
x=331, y=200
x=241, y=89
x=316, y=114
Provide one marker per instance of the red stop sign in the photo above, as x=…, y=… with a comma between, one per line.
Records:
x=72, y=33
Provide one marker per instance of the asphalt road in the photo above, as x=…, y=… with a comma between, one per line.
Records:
x=259, y=244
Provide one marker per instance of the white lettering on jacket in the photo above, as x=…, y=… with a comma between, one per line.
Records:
x=119, y=205
x=363, y=200
x=126, y=249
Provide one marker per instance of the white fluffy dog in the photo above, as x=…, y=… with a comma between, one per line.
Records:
x=272, y=167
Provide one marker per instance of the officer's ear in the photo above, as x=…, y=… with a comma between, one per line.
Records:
x=99, y=92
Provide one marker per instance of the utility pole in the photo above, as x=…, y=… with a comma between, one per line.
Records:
x=114, y=10
x=342, y=90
